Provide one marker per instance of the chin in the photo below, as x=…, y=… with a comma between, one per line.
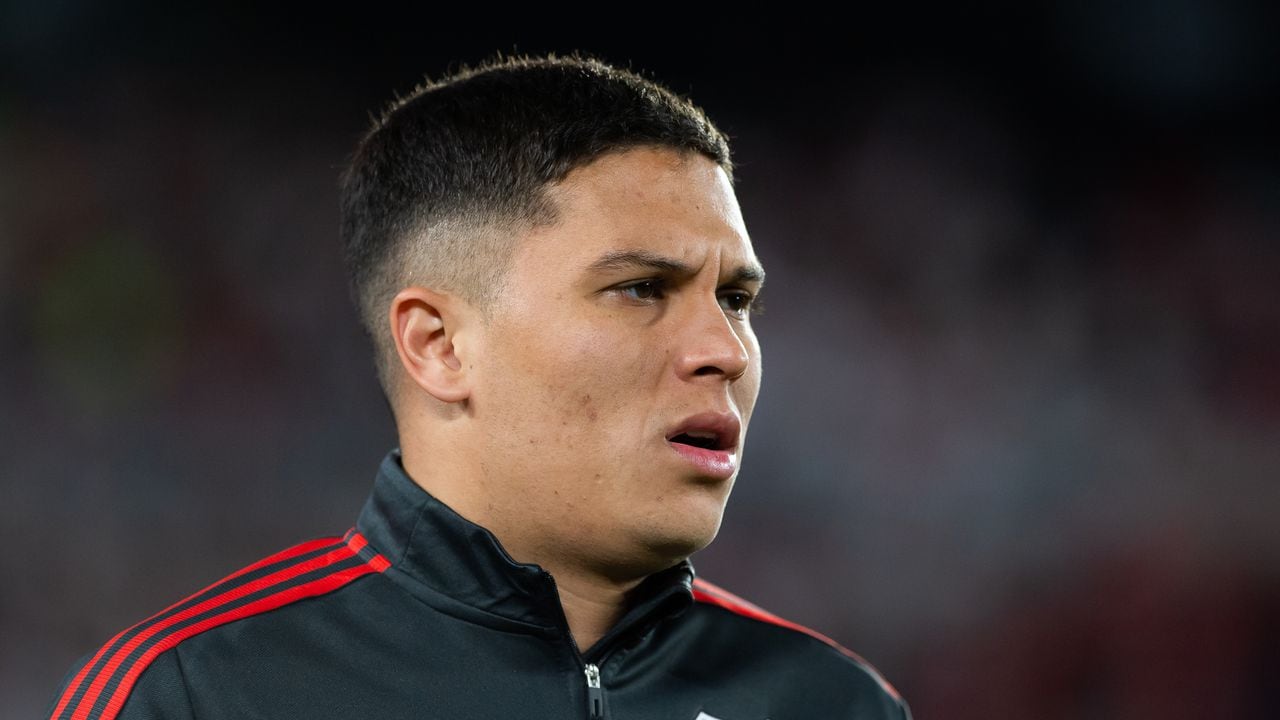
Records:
x=650, y=550
x=669, y=530
x=674, y=544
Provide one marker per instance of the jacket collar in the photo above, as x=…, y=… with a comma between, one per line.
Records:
x=430, y=544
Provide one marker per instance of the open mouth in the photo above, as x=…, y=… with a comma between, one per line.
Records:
x=706, y=442
x=708, y=431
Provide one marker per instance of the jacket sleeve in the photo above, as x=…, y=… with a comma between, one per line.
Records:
x=160, y=693
x=876, y=706
x=870, y=696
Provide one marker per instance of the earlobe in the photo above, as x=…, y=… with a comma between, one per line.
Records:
x=425, y=330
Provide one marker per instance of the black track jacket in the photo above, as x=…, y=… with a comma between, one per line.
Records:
x=418, y=613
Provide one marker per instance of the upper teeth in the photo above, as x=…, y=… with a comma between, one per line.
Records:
x=707, y=434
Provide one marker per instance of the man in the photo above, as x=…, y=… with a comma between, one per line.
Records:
x=551, y=263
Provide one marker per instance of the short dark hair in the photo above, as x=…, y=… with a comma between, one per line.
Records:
x=443, y=183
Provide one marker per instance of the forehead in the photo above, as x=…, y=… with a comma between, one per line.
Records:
x=679, y=205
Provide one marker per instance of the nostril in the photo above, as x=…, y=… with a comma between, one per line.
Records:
x=732, y=369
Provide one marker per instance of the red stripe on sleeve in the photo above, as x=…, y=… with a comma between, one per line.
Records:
x=320, y=586
x=95, y=689
x=357, y=542
x=281, y=556
x=328, y=583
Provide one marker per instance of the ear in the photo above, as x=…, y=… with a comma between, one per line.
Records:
x=425, y=326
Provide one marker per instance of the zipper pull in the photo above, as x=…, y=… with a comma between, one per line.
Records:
x=595, y=694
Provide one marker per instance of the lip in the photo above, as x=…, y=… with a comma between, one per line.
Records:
x=722, y=461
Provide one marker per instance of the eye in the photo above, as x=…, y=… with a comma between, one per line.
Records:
x=643, y=290
x=742, y=303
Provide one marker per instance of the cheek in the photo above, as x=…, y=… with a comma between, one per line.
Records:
x=600, y=377
x=572, y=387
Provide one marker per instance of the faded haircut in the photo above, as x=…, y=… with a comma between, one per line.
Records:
x=441, y=187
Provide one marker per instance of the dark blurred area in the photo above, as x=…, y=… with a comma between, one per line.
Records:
x=1017, y=438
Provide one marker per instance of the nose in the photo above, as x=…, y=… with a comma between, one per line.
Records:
x=710, y=342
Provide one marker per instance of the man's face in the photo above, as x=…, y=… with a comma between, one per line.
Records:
x=588, y=365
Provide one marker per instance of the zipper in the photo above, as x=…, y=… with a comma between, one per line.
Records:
x=595, y=694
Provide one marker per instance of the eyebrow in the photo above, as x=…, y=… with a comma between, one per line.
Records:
x=646, y=260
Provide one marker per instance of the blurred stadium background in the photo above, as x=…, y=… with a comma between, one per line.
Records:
x=1017, y=440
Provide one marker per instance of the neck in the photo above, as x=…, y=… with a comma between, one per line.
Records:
x=592, y=605
x=592, y=602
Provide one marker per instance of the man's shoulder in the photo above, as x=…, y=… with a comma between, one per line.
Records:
x=103, y=681
x=745, y=632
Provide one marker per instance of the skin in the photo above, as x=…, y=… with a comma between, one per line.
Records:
x=546, y=422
